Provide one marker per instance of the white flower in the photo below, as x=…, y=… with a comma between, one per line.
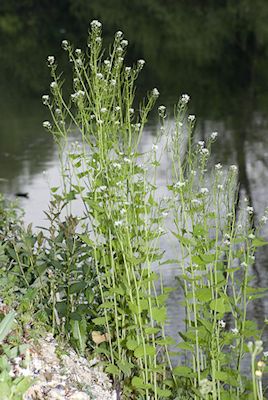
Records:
x=101, y=188
x=103, y=110
x=204, y=190
x=161, y=110
x=218, y=166
x=205, y=152
x=179, y=185
x=113, y=82
x=127, y=160
x=45, y=99
x=53, y=85
x=99, y=75
x=117, y=165
x=128, y=69
x=119, y=34
x=119, y=50
x=141, y=63
x=98, y=39
x=201, y=143
x=155, y=92
x=185, y=98
x=124, y=43
x=258, y=373
x=77, y=95
x=191, y=118
x=107, y=63
x=213, y=135
x=51, y=60
x=220, y=187
x=264, y=219
x=95, y=24
x=265, y=353
x=222, y=324
x=250, y=210
x=78, y=52
x=118, y=223
x=120, y=59
x=64, y=44
x=131, y=111
x=47, y=125
x=233, y=168
x=196, y=202
x=117, y=108
x=234, y=331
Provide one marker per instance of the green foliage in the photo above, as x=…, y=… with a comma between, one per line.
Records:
x=93, y=277
x=10, y=388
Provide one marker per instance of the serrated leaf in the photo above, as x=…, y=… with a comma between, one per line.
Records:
x=112, y=369
x=258, y=242
x=159, y=314
x=203, y=295
x=99, y=321
x=218, y=305
x=143, y=351
x=151, y=330
x=183, y=371
x=163, y=392
x=132, y=344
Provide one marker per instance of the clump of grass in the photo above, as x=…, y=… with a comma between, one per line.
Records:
x=96, y=273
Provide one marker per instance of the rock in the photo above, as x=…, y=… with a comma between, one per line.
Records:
x=67, y=376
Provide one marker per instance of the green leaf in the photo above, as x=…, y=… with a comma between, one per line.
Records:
x=87, y=240
x=132, y=344
x=77, y=287
x=163, y=392
x=70, y=196
x=258, y=242
x=203, y=295
x=151, y=330
x=185, y=346
x=218, y=305
x=166, y=341
x=226, y=378
x=125, y=367
x=147, y=350
x=199, y=230
x=112, y=369
x=208, y=258
x=138, y=383
x=6, y=325
x=99, y=321
x=183, y=371
x=159, y=314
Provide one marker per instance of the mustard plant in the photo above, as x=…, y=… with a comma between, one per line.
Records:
x=122, y=222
